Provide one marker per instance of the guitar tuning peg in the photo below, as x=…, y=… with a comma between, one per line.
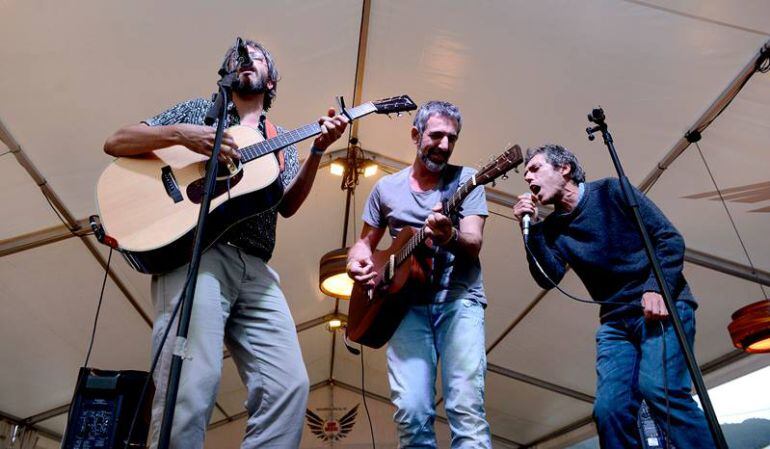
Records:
x=516, y=169
x=505, y=176
x=389, y=116
x=399, y=114
x=494, y=183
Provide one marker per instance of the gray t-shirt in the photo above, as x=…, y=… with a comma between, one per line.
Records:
x=393, y=204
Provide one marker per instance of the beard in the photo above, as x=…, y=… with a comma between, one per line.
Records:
x=248, y=86
x=433, y=167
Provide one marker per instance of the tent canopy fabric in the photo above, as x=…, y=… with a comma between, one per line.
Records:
x=524, y=72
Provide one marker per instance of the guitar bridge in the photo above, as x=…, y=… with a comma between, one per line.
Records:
x=170, y=184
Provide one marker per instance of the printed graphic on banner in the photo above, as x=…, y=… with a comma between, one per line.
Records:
x=331, y=429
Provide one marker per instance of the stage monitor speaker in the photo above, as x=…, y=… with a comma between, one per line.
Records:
x=102, y=409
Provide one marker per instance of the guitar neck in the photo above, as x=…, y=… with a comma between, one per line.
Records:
x=286, y=139
x=419, y=237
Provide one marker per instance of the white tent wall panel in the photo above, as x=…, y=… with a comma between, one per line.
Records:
x=523, y=413
x=49, y=296
x=520, y=71
x=57, y=424
x=316, y=345
x=137, y=284
x=555, y=341
x=25, y=209
x=735, y=147
x=232, y=394
x=347, y=369
x=540, y=68
x=216, y=416
x=304, y=238
x=750, y=14
x=508, y=286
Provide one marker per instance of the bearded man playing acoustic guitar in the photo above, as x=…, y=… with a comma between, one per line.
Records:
x=238, y=297
x=445, y=320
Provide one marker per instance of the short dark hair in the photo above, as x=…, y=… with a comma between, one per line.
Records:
x=558, y=156
x=231, y=61
x=431, y=108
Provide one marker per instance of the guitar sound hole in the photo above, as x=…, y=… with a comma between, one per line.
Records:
x=195, y=188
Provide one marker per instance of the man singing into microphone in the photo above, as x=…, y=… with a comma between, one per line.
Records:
x=238, y=296
x=592, y=230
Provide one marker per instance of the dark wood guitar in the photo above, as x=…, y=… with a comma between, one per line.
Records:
x=375, y=313
x=148, y=205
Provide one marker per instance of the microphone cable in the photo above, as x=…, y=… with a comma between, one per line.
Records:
x=98, y=308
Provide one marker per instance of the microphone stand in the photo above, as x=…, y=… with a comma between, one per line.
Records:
x=597, y=117
x=221, y=101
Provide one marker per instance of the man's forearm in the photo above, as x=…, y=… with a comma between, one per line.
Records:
x=138, y=139
x=300, y=187
x=465, y=243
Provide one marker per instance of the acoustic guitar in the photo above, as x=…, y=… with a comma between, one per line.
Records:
x=148, y=205
x=375, y=313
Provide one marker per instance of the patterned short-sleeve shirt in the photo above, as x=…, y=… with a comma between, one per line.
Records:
x=256, y=234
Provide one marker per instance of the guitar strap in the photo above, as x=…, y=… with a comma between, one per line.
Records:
x=270, y=132
x=442, y=259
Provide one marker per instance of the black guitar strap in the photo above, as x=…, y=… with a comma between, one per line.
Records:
x=442, y=258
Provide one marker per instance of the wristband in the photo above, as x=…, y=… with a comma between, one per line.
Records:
x=316, y=151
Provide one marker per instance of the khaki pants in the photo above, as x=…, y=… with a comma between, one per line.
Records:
x=237, y=300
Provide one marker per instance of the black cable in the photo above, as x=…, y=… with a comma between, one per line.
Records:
x=587, y=301
x=363, y=395
x=730, y=216
x=98, y=308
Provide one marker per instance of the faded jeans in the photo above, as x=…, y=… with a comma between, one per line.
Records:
x=238, y=300
x=452, y=332
x=629, y=368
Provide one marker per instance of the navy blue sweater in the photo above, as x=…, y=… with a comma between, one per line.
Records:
x=599, y=240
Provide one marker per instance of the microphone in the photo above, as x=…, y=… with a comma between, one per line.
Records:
x=244, y=60
x=525, y=229
x=525, y=220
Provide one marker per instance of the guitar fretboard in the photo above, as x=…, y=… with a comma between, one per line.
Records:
x=419, y=237
x=264, y=147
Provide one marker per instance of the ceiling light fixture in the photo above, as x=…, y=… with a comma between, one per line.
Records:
x=750, y=328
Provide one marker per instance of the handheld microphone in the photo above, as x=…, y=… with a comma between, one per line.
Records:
x=244, y=59
x=525, y=221
x=525, y=226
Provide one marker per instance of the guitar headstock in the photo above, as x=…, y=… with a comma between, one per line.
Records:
x=393, y=105
x=503, y=163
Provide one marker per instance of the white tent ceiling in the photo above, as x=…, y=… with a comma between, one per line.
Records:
x=525, y=72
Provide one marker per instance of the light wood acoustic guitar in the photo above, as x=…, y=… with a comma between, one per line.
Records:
x=148, y=205
x=375, y=313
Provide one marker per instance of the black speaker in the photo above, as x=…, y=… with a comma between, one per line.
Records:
x=102, y=409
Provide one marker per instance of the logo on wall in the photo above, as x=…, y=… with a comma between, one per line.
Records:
x=332, y=429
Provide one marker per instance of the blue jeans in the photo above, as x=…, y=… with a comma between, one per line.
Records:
x=629, y=368
x=452, y=332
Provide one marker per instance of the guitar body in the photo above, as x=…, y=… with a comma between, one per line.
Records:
x=374, y=314
x=150, y=204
